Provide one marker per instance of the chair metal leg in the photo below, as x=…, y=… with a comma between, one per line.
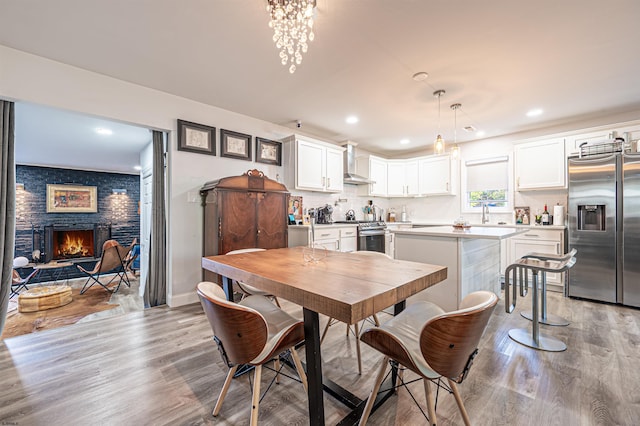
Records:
x=255, y=400
x=225, y=388
x=431, y=403
x=374, y=392
x=456, y=394
x=298, y=364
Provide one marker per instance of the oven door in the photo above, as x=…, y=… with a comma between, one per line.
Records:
x=371, y=241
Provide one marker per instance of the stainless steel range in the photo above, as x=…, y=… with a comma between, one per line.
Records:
x=371, y=235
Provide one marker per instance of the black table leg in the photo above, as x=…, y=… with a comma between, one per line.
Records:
x=227, y=286
x=314, y=366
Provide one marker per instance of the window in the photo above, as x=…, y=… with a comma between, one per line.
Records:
x=486, y=181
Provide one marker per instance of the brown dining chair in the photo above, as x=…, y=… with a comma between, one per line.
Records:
x=247, y=290
x=113, y=260
x=433, y=344
x=252, y=332
x=356, y=328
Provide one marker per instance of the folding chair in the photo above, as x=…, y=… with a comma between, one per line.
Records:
x=113, y=260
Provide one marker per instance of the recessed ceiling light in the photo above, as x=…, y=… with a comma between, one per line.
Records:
x=534, y=112
x=137, y=167
x=352, y=119
x=103, y=131
x=469, y=129
x=420, y=76
x=405, y=142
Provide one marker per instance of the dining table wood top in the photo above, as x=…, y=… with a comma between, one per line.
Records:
x=340, y=285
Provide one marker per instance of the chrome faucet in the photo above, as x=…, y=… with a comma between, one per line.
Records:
x=485, y=213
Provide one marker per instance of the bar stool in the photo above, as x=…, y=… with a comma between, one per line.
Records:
x=546, y=318
x=519, y=271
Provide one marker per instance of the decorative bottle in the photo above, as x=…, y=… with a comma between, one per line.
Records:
x=545, y=216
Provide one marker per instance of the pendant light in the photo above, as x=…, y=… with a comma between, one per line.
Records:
x=455, y=151
x=438, y=144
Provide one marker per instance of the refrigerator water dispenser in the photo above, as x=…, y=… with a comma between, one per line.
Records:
x=591, y=217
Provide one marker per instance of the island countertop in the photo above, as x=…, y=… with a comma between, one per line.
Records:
x=484, y=232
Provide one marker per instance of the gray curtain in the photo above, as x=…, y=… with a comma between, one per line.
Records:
x=155, y=292
x=7, y=205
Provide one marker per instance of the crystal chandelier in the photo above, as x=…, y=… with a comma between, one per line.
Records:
x=292, y=23
x=438, y=145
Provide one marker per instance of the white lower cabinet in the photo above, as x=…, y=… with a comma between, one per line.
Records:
x=335, y=238
x=546, y=241
x=348, y=239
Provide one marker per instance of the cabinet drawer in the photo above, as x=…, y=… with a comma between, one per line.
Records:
x=348, y=232
x=326, y=233
x=543, y=234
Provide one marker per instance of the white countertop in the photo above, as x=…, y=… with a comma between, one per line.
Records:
x=485, y=232
x=329, y=225
x=495, y=225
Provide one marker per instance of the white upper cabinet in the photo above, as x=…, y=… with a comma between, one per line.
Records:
x=334, y=169
x=402, y=178
x=436, y=175
x=375, y=168
x=540, y=165
x=313, y=165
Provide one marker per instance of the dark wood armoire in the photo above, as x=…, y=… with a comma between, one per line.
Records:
x=243, y=212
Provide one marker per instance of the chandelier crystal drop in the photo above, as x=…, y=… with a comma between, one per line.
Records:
x=292, y=23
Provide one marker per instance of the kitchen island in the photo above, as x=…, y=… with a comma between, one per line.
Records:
x=472, y=257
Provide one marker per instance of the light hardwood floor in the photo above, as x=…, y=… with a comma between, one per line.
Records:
x=160, y=367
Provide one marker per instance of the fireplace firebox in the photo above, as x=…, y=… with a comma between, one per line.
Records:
x=75, y=241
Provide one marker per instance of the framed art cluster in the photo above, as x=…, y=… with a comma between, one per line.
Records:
x=200, y=138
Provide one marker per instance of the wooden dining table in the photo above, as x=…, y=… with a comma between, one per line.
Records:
x=340, y=285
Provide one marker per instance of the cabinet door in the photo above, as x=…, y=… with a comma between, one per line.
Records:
x=396, y=182
x=540, y=164
x=411, y=177
x=348, y=239
x=334, y=170
x=237, y=216
x=435, y=176
x=271, y=220
x=378, y=174
x=310, y=166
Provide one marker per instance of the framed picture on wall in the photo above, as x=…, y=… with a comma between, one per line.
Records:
x=269, y=152
x=235, y=145
x=194, y=137
x=72, y=199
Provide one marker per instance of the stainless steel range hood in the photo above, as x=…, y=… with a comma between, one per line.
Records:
x=350, y=175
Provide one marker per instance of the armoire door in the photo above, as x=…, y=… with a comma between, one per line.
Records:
x=271, y=211
x=237, y=213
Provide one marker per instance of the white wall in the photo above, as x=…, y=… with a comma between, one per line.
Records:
x=25, y=77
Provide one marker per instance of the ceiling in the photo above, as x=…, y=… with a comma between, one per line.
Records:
x=574, y=59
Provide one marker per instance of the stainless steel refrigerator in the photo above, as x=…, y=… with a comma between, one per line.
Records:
x=604, y=226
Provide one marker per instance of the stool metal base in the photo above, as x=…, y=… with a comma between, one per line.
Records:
x=545, y=343
x=549, y=320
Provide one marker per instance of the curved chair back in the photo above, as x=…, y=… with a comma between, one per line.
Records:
x=449, y=341
x=371, y=254
x=247, y=250
x=242, y=330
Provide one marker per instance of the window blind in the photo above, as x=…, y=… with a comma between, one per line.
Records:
x=488, y=174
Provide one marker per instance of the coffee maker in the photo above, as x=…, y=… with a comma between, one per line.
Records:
x=324, y=215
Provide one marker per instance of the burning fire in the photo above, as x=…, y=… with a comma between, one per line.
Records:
x=73, y=246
